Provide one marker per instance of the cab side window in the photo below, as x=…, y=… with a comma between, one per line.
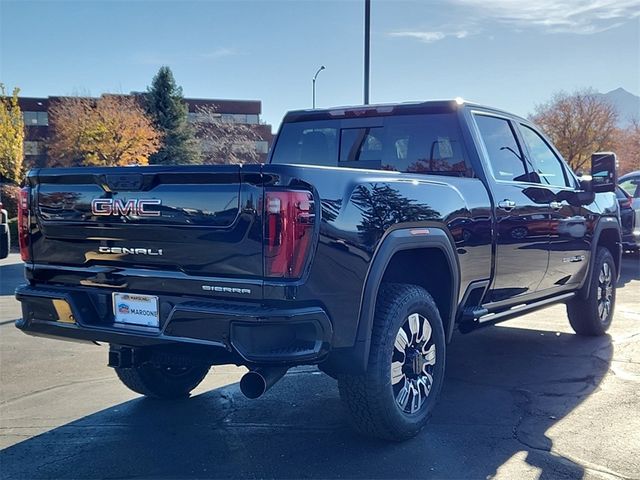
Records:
x=545, y=162
x=505, y=156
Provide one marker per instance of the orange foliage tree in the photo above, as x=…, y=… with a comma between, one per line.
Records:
x=579, y=124
x=112, y=130
x=627, y=147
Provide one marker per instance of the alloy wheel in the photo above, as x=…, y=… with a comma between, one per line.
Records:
x=413, y=363
x=605, y=292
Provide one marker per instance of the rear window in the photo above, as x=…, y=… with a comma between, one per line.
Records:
x=307, y=143
x=428, y=143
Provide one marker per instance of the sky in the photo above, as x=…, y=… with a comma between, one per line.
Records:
x=511, y=54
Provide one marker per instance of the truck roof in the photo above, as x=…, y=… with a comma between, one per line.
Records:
x=381, y=109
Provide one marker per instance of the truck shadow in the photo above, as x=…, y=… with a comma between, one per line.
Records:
x=505, y=388
x=630, y=269
x=11, y=275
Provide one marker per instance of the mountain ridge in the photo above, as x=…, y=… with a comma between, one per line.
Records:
x=625, y=103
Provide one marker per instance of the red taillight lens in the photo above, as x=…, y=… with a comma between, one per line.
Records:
x=289, y=220
x=23, y=224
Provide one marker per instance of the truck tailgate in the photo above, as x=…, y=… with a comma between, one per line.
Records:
x=184, y=223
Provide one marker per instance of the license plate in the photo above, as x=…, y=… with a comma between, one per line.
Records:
x=135, y=309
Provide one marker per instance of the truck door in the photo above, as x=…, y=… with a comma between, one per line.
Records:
x=522, y=215
x=569, y=227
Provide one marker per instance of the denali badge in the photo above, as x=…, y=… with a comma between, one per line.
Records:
x=115, y=206
x=574, y=259
x=217, y=288
x=130, y=251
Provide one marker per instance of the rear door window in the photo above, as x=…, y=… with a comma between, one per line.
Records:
x=427, y=143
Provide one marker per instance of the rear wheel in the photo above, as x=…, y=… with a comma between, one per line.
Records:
x=162, y=381
x=394, y=399
x=593, y=316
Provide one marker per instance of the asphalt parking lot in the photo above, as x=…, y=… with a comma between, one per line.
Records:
x=526, y=399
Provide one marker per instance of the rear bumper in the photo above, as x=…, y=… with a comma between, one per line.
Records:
x=251, y=334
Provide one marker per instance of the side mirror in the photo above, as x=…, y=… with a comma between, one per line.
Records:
x=604, y=172
x=578, y=198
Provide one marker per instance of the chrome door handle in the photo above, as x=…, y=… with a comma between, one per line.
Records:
x=507, y=205
x=555, y=205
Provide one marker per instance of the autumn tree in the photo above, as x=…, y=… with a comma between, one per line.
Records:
x=109, y=131
x=165, y=105
x=627, y=147
x=11, y=137
x=578, y=124
x=224, y=141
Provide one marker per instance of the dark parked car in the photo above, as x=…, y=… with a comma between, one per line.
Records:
x=371, y=234
x=5, y=237
x=630, y=183
x=629, y=220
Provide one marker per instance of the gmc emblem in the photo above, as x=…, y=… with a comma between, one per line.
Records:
x=114, y=206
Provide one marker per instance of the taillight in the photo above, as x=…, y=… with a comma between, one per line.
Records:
x=23, y=224
x=289, y=220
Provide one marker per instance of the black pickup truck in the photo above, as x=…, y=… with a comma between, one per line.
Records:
x=371, y=234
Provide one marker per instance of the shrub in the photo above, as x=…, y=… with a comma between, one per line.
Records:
x=9, y=195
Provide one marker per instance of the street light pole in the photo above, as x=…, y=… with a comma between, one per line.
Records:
x=313, y=83
x=367, y=41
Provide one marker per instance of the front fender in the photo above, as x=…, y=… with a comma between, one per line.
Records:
x=605, y=224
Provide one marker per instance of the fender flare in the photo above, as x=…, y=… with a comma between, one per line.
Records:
x=605, y=223
x=395, y=241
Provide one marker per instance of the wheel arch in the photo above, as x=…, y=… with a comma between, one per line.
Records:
x=606, y=234
x=399, y=250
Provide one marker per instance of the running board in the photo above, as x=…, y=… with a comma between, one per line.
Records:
x=515, y=311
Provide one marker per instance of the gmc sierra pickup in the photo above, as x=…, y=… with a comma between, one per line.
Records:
x=369, y=236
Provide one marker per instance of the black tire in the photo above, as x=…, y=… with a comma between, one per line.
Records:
x=592, y=317
x=162, y=381
x=372, y=400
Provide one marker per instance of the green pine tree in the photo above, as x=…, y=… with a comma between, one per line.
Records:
x=165, y=105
